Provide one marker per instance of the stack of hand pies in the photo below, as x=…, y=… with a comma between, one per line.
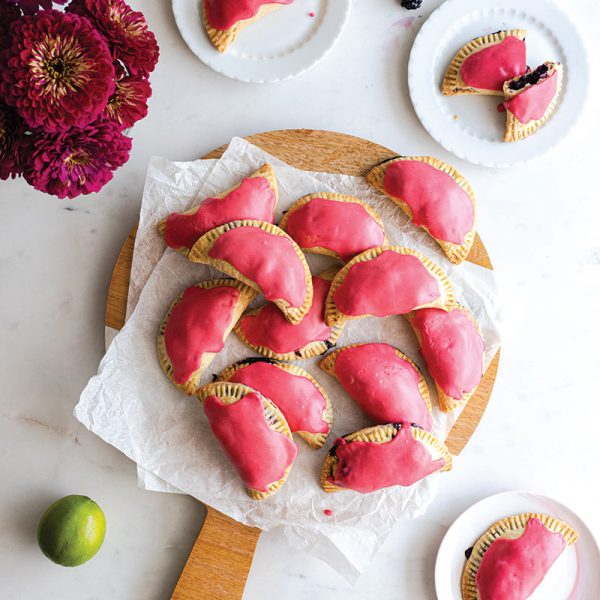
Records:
x=254, y=406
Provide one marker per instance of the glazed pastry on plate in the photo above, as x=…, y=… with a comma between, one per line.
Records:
x=254, y=197
x=224, y=19
x=435, y=196
x=383, y=456
x=302, y=401
x=263, y=257
x=383, y=381
x=530, y=100
x=510, y=560
x=269, y=333
x=390, y=280
x=453, y=350
x=253, y=434
x=483, y=65
x=334, y=225
x=196, y=326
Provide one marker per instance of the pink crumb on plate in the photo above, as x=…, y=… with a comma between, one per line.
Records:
x=327, y=512
x=311, y=14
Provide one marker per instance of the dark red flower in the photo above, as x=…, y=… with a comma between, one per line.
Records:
x=128, y=103
x=30, y=7
x=57, y=72
x=12, y=139
x=126, y=31
x=78, y=161
x=9, y=13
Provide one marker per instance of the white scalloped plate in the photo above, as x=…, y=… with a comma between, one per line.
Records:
x=471, y=126
x=281, y=45
x=574, y=576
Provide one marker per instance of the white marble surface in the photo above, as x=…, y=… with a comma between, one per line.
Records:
x=540, y=223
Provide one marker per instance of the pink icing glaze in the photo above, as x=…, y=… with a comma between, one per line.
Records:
x=259, y=454
x=367, y=466
x=531, y=104
x=436, y=200
x=513, y=569
x=267, y=259
x=384, y=385
x=452, y=349
x=390, y=284
x=489, y=68
x=269, y=328
x=345, y=228
x=301, y=403
x=253, y=199
x=224, y=14
x=196, y=325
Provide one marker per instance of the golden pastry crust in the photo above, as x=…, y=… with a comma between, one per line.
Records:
x=381, y=434
x=308, y=351
x=200, y=254
x=334, y=317
x=230, y=393
x=314, y=440
x=509, y=528
x=515, y=130
x=222, y=39
x=266, y=172
x=455, y=252
x=327, y=364
x=192, y=385
x=453, y=83
x=335, y=198
x=447, y=403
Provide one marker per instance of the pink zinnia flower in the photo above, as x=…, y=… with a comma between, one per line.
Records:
x=126, y=31
x=57, y=72
x=12, y=131
x=128, y=103
x=78, y=161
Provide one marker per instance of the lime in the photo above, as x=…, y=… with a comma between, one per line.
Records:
x=71, y=530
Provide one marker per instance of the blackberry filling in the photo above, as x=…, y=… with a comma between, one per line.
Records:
x=530, y=78
x=255, y=359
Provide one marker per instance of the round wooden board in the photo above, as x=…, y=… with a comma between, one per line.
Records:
x=217, y=568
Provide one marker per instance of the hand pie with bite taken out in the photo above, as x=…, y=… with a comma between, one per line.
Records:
x=263, y=257
x=253, y=433
x=435, y=196
x=301, y=399
x=196, y=326
x=383, y=456
x=511, y=559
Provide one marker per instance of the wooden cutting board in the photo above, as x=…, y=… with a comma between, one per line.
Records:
x=218, y=565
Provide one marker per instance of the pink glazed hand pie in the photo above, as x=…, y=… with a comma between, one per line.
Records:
x=510, y=560
x=435, y=196
x=334, y=225
x=267, y=331
x=383, y=456
x=263, y=257
x=196, y=326
x=253, y=434
x=390, y=280
x=225, y=19
x=302, y=401
x=530, y=100
x=383, y=381
x=453, y=349
x=485, y=63
x=255, y=197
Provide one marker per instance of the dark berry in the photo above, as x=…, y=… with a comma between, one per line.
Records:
x=411, y=4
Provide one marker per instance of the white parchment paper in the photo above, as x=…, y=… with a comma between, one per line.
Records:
x=132, y=405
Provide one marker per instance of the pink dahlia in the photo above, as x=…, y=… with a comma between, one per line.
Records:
x=126, y=31
x=78, y=161
x=57, y=72
x=128, y=102
x=12, y=132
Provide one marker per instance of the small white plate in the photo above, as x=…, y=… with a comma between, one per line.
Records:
x=471, y=126
x=279, y=46
x=575, y=575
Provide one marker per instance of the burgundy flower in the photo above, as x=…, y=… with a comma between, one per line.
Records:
x=9, y=13
x=57, y=72
x=128, y=103
x=30, y=7
x=12, y=132
x=126, y=31
x=78, y=161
